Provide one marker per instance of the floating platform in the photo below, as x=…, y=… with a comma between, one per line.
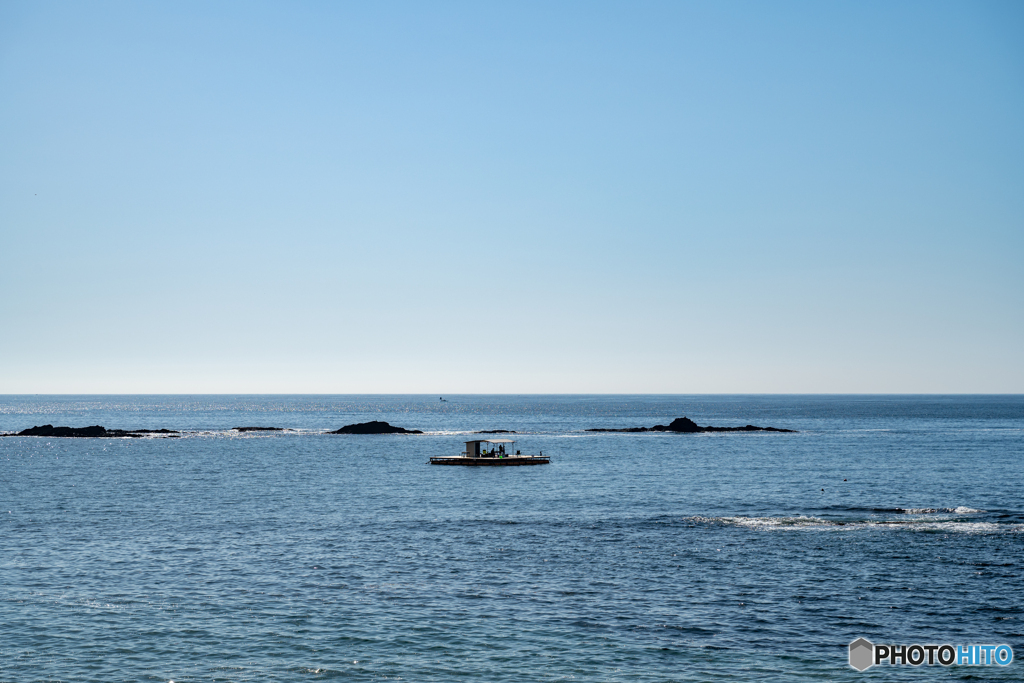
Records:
x=477, y=455
x=507, y=461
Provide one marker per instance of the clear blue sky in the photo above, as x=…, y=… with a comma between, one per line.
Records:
x=484, y=197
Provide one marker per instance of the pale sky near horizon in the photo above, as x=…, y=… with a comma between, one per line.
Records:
x=569, y=197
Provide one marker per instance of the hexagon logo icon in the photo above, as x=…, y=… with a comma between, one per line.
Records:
x=862, y=654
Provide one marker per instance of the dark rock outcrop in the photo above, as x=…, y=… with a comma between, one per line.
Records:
x=374, y=428
x=684, y=425
x=96, y=431
x=50, y=430
x=681, y=424
x=496, y=431
x=258, y=429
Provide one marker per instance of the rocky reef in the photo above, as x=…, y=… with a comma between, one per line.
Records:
x=684, y=425
x=96, y=431
x=374, y=428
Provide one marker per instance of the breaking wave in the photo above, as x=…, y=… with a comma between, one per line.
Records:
x=803, y=522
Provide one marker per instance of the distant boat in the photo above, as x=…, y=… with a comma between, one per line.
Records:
x=500, y=455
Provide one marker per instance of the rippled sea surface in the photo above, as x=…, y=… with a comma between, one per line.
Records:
x=296, y=555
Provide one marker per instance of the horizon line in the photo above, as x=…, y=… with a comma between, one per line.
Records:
x=441, y=395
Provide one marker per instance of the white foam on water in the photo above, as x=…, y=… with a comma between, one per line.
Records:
x=802, y=522
x=777, y=522
x=960, y=510
x=458, y=432
x=969, y=527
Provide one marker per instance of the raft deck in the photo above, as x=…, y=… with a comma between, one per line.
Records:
x=506, y=461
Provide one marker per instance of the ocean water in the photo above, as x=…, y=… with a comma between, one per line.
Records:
x=294, y=556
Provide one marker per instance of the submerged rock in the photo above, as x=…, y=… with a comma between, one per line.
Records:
x=374, y=428
x=496, y=431
x=258, y=429
x=684, y=425
x=96, y=431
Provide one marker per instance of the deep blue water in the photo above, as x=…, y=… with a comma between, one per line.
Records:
x=632, y=557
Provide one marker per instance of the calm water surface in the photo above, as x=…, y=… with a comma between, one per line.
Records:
x=297, y=556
